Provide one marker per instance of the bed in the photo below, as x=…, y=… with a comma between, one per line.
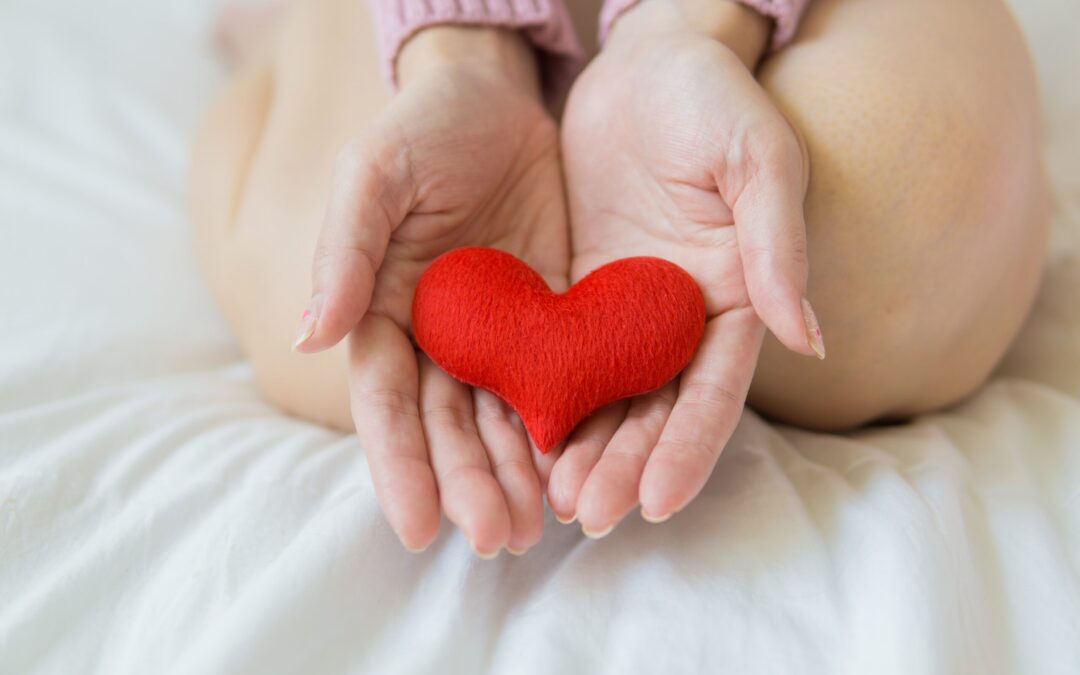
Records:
x=157, y=517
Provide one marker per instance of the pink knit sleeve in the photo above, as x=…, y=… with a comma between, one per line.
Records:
x=786, y=14
x=544, y=22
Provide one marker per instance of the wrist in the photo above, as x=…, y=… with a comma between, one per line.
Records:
x=741, y=29
x=496, y=52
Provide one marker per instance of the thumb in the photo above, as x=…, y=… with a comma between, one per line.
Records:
x=371, y=194
x=771, y=231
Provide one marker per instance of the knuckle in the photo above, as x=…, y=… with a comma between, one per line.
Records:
x=655, y=411
x=352, y=259
x=775, y=147
x=361, y=162
x=492, y=410
x=791, y=254
x=382, y=158
x=386, y=402
x=458, y=471
x=589, y=443
x=711, y=394
x=450, y=417
x=352, y=157
x=363, y=256
x=629, y=454
x=325, y=255
x=664, y=398
x=685, y=451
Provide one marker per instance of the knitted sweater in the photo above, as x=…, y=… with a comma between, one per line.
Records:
x=545, y=23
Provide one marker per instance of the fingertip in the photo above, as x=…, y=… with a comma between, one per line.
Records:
x=324, y=323
x=666, y=489
x=655, y=519
x=799, y=345
x=488, y=538
x=411, y=505
x=778, y=304
x=526, y=507
x=525, y=537
x=481, y=513
x=420, y=531
x=486, y=555
x=305, y=330
x=418, y=544
x=597, y=532
x=601, y=506
x=797, y=328
x=562, y=497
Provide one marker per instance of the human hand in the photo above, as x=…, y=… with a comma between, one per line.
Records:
x=464, y=154
x=672, y=149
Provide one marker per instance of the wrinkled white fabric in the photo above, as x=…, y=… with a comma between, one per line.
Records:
x=156, y=516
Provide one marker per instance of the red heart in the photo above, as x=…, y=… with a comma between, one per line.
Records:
x=491, y=321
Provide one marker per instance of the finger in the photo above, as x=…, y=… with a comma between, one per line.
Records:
x=543, y=462
x=383, y=384
x=771, y=231
x=504, y=437
x=712, y=392
x=611, y=490
x=582, y=452
x=471, y=497
x=370, y=195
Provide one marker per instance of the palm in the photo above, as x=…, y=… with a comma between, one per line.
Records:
x=657, y=156
x=489, y=177
x=644, y=182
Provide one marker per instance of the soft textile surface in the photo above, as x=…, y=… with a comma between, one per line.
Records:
x=625, y=329
x=156, y=516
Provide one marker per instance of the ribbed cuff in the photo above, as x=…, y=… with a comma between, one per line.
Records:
x=545, y=23
x=785, y=13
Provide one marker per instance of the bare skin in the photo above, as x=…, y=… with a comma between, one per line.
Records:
x=915, y=147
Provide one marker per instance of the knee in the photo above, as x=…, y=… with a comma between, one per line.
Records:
x=916, y=312
x=311, y=387
x=927, y=222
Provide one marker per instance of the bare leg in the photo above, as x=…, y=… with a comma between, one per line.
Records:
x=243, y=30
x=927, y=212
x=260, y=177
x=926, y=205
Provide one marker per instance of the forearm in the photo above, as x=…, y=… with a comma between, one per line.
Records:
x=543, y=25
x=496, y=52
x=742, y=29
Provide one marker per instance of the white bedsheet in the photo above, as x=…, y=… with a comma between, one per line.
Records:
x=156, y=516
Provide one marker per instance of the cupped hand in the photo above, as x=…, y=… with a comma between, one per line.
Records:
x=672, y=149
x=464, y=155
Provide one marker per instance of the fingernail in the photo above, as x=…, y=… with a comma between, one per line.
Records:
x=655, y=519
x=516, y=551
x=307, y=329
x=813, y=329
x=597, y=535
x=565, y=521
x=410, y=549
x=485, y=556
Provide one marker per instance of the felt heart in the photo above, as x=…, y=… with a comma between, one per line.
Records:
x=491, y=321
